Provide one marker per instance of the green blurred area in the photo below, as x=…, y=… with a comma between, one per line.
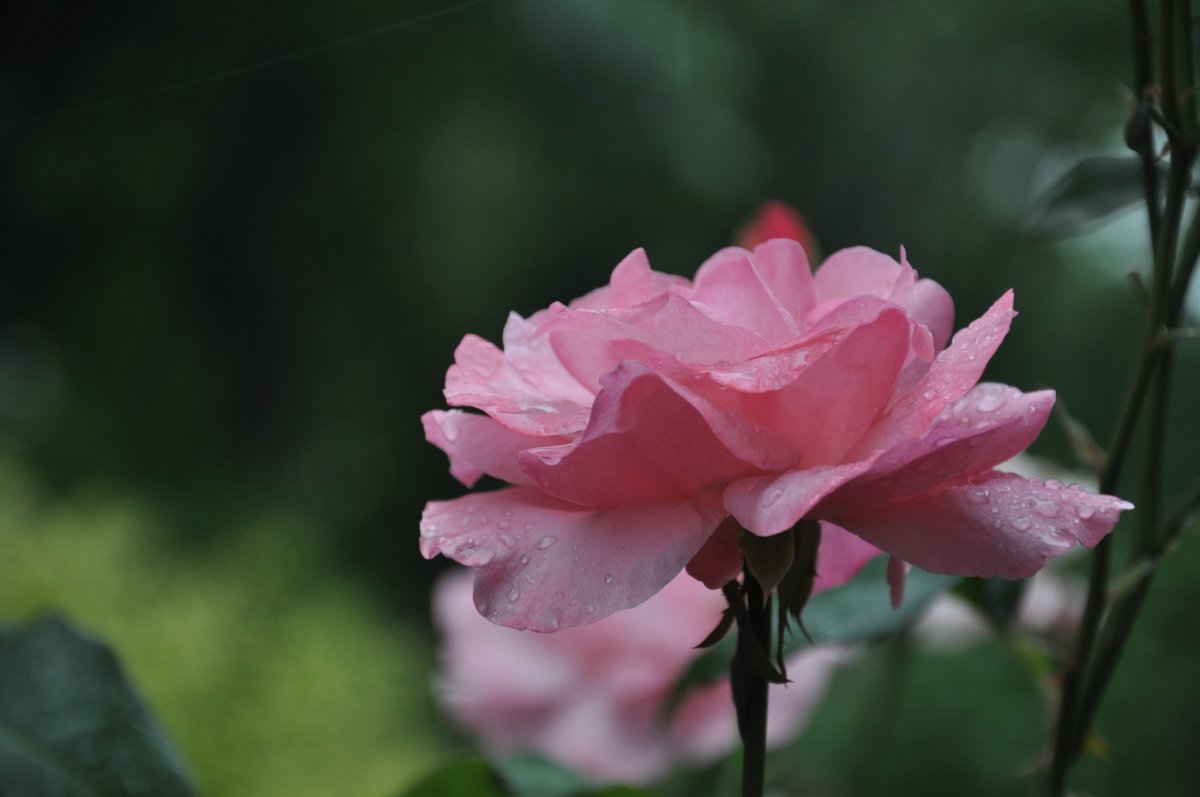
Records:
x=227, y=294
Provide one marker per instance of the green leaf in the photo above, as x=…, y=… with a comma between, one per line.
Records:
x=514, y=776
x=1093, y=189
x=71, y=724
x=470, y=778
x=531, y=776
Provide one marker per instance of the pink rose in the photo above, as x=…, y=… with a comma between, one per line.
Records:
x=592, y=697
x=636, y=420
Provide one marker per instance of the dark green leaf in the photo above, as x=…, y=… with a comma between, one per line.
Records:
x=1092, y=190
x=530, y=776
x=71, y=725
x=470, y=778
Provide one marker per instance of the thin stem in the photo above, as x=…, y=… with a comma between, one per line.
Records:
x=749, y=683
x=1066, y=740
x=1141, y=134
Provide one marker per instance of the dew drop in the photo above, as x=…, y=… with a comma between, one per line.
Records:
x=991, y=402
x=545, y=542
x=608, y=579
x=772, y=498
x=514, y=594
x=591, y=609
x=450, y=429
x=977, y=496
x=1047, y=510
x=929, y=395
x=971, y=357
x=1022, y=523
x=503, y=524
x=484, y=557
x=508, y=541
x=1084, y=511
x=524, y=559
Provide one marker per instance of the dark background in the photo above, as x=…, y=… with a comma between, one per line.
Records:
x=238, y=244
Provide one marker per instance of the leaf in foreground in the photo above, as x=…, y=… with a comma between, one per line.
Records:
x=71, y=724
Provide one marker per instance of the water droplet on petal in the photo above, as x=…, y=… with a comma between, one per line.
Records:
x=514, y=594
x=524, y=559
x=1022, y=523
x=929, y=395
x=591, y=609
x=1084, y=511
x=545, y=542
x=450, y=429
x=608, y=579
x=1047, y=510
x=508, y=541
x=772, y=497
x=991, y=402
x=977, y=496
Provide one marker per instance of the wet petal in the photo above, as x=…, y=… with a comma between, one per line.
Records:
x=545, y=564
x=483, y=379
x=772, y=503
x=476, y=444
x=979, y=431
x=952, y=374
x=1001, y=525
x=730, y=289
x=645, y=442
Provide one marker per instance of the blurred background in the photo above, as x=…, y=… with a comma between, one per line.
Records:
x=239, y=243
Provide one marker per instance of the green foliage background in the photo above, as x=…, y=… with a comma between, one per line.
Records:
x=227, y=294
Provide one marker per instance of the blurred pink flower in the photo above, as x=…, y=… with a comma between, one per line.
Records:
x=636, y=420
x=591, y=698
x=776, y=219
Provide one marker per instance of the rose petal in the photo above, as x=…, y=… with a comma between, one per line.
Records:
x=784, y=267
x=719, y=561
x=729, y=289
x=645, y=442
x=836, y=399
x=854, y=272
x=545, y=564
x=476, y=445
x=952, y=374
x=590, y=344
x=979, y=431
x=932, y=306
x=632, y=282
x=1001, y=525
x=483, y=379
x=534, y=359
x=772, y=503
